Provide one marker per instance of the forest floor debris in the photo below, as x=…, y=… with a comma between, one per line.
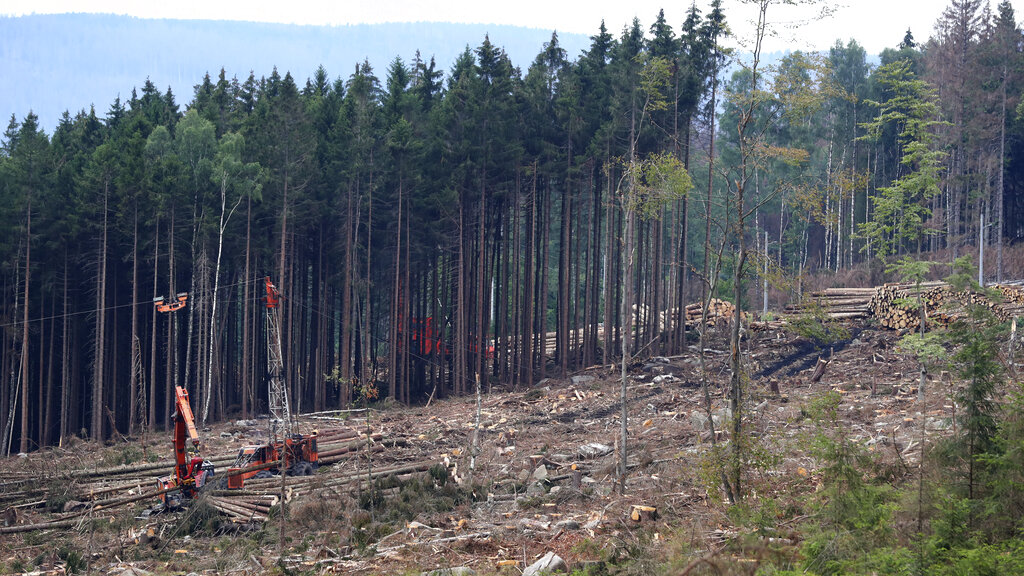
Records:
x=411, y=497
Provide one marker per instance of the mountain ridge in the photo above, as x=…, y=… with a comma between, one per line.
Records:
x=58, y=62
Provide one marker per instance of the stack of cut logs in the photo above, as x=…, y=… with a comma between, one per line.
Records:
x=890, y=308
x=1012, y=305
x=841, y=303
x=716, y=310
x=891, y=304
x=942, y=305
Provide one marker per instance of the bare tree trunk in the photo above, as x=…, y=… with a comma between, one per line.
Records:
x=284, y=234
x=323, y=322
x=24, y=331
x=626, y=339
x=367, y=338
x=65, y=379
x=518, y=280
x=100, y=349
x=8, y=393
x=9, y=401
x=151, y=419
x=345, y=358
x=1002, y=186
x=291, y=367
x=562, y=333
x=736, y=380
x=593, y=275
x=684, y=270
x=406, y=313
x=39, y=404
x=474, y=449
x=764, y=278
x=247, y=400
x=540, y=318
x=172, y=348
x=439, y=286
x=47, y=432
x=133, y=382
x=481, y=289
x=627, y=286
x=461, y=336
x=529, y=302
x=608, y=261
x=577, y=287
x=396, y=306
x=212, y=340
x=507, y=292
x=112, y=362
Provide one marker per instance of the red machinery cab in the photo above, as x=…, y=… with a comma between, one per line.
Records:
x=301, y=458
x=198, y=473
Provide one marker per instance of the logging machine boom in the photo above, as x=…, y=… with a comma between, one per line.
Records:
x=190, y=472
x=299, y=451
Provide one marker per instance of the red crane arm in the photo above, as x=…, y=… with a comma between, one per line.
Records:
x=184, y=424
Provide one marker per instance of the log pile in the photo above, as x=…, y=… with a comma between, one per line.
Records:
x=717, y=310
x=1012, y=305
x=244, y=508
x=890, y=303
x=894, y=304
x=840, y=303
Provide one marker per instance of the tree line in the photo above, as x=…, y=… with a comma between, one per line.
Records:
x=436, y=227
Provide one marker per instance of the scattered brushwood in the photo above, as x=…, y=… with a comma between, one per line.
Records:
x=401, y=494
x=817, y=325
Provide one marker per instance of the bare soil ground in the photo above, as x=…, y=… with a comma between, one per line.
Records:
x=530, y=487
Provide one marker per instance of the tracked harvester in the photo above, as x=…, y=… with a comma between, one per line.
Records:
x=288, y=451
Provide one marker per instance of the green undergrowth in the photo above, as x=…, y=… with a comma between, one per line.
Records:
x=854, y=515
x=816, y=325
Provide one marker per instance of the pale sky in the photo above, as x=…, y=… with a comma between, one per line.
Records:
x=875, y=24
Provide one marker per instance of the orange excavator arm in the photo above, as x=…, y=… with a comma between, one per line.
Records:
x=184, y=424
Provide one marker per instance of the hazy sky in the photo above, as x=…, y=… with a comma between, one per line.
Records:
x=876, y=24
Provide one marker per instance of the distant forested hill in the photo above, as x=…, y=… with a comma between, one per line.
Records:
x=50, y=63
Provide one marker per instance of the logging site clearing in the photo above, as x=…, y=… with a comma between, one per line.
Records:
x=524, y=480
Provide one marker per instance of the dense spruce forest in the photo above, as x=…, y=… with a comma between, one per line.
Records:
x=435, y=224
